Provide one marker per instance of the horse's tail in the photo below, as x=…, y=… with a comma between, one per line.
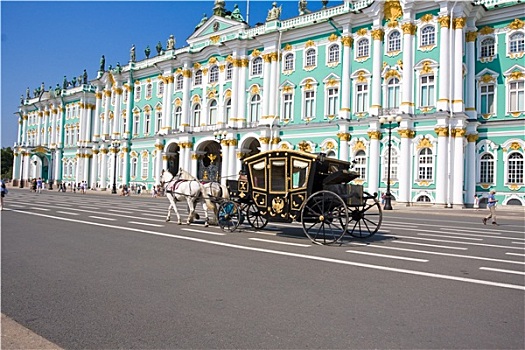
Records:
x=225, y=192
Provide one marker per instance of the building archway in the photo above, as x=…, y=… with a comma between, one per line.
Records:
x=209, y=161
x=173, y=158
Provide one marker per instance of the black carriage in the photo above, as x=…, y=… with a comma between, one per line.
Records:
x=286, y=185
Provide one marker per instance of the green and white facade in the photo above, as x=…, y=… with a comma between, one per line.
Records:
x=454, y=71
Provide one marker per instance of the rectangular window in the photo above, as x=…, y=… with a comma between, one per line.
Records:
x=427, y=91
x=487, y=99
x=145, y=165
x=309, y=99
x=136, y=122
x=361, y=98
x=517, y=96
x=287, y=107
x=147, y=123
x=333, y=101
x=486, y=170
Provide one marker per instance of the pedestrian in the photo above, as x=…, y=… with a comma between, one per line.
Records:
x=39, y=185
x=3, y=193
x=154, y=192
x=33, y=185
x=492, y=207
x=476, y=202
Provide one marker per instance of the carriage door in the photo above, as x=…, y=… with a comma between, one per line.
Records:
x=300, y=169
x=278, y=196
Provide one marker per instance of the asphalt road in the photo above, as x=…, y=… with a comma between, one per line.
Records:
x=106, y=272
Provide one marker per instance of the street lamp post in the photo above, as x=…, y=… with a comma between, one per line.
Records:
x=22, y=171
x=389, y=120
x=115, y=145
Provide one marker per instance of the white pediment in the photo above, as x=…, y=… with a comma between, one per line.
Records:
x=216, y=26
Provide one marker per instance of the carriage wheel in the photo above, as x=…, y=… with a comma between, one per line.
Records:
x=228, y=216
x=255, y=218
x=324, y=217
x=365, y=219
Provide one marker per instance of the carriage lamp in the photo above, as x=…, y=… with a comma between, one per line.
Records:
x=390, y=123
x=220, y=135
x=115, y=144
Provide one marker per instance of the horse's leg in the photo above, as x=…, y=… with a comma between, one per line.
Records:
x=206, y=218
x=174, y=206
x=191, y=206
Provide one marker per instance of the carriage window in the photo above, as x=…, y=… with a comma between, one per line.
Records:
x=278, y=176
x=300, y=171
x=258, y=174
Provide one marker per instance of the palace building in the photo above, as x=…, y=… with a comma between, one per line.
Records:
x=435, y=88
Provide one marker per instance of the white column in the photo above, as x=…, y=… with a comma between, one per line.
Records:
x=470, y=177
x=89, y=122
x=407, y=84
x=117, y=117
x=344, y=137
x=167, y=106
x=17, y=160
x=125, y=171
x=274, y=88
x=373, y=159
x=265, y=143
x=232, y=161
x=241, y=109
x=58, y=165
x=107, y=105
x=458, y=105
x=78, y=166
x=94, y=168
x=158, y=161
x=444, y=58
x=442, y=164
x=60, y=128
x=103, y=168
x=344, y=112
x=459, y=168
x=405, y=165
x=24, y=129
x=193, y=164
x=46, y=126
x=237, y=64
x=39, y=128
x=54, y=117
x=267, y=80
x=85, y=170
x=470, y=94
x=377, y=64
x=129, y=115
x=225, y=159
x=98, y=110
x=186, y=103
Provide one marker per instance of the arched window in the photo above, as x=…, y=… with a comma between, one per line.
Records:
x=180, y=82
x=149, y=88
x=517, y=43
x=425, y=164
x=333, y=53
x=137, y=93
x=158, y=120
x=394, y=41
x=428, y=36
x=255, y=108
x=228, y=110
x=423, y=199
x=197, y=115
x=198, y=77
x=136, y=123
x=393, y=89
x=363, y=48
x=487, y=48
x=257, y=66
x=177, y=118
x=160, y=88
x=147, y=122
x=145, y=166
x=133, y=167
x=229, y=71
x=289, y=62
x=360, y=164
x=213, y=112
x=486, y=168
x=214, y=74
x=310, y=58
x=515, y=168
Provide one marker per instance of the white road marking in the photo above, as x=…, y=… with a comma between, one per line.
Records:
x=431, y=245
x=517, y=242
x=442, y=254
x=101, y=218
x=440, y=235
x=38, y=208
x=144, y=223
x=66, y=212
x=456, y=242
x=277, y=242
x=504, y=271
x=296, y=255
x=203, y=231
x=515, y=254
x=386, y=256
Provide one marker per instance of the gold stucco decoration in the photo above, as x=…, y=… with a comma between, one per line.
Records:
x=256, y=53
x=516, y=24
x=407, y=133
x=310, y=43
x=516, y=75
x=391, y=74
x=378, y=34
x=424, y=143
x=333, y=37
x=427, y=69
x=444, y=21
x=287, y=47
x=471, y=36
x=304, y=146
x=392, y=10
x=486, y=30
x=359, y=146
x=343, y=136
x=409, y=28
x=515, y=146
x=215, y=39
x=487, y=78
x=459, y=23
x=374, y=135
x=362, y=32
x=361, y=77
x=472, y=137
x=427, y=18
x=254, y=90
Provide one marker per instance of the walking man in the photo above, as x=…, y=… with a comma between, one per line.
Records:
x=492, y=207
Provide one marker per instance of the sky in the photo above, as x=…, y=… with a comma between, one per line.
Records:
x=41, y=41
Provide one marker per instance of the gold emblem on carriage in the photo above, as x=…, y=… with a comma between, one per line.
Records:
x=277, y=205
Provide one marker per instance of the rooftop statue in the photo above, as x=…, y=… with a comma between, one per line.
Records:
x=27, y=93
x=102, y=64
x=302, y=7
x=274, y=13
x=170, y=45
x=57, y=90
x=21, y=99
x=236, y=14
x=158, y=48
x=218, y=8
x=85, y=77
x=74, y=81
x=147, y=52
x=118, y=69
x=203, y=20
x=132, y=53
x=64, y=83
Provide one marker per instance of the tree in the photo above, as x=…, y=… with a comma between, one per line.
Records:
x=6, y=158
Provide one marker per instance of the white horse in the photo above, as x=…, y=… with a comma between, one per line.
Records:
x=212, y=194
x=178, y=188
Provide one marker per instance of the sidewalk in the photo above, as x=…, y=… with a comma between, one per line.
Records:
x=16, y=336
